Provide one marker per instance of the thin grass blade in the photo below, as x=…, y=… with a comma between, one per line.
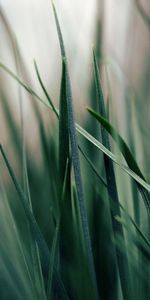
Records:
x=122, y=260
x=75, y=161
x=125, y=152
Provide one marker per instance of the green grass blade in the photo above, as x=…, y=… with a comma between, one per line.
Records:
x=44, y=89
x=141, y=234
x=122, y=260
x=120, y=142
x=76, y=162
x=34, y=226
x=93, y=167
x=125, y=152
x=52, y=260
x=27, y=88
x=99, y=146
x=57, y=233
x=141, y=241
x=63, y=127
x=43, y=248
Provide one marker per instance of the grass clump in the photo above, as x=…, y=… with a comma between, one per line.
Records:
x=74, y=239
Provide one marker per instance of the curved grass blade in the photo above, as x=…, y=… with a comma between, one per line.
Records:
x=75, y=160
x=121, y=144
x=44, y=90
x=125, y=152
x=28, y=89
x=97, y=144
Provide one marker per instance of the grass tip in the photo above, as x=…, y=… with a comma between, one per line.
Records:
x=88, y=108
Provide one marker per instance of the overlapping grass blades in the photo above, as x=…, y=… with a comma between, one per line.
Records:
x=125, y=152
x=113, y=157
x=82, y=131
x=43, y=248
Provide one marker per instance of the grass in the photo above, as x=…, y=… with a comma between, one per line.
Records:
x=66, y=231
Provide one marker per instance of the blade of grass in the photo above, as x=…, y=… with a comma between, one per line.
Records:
x=93, y=167
x=63, y=127
x=100, y=146
x=122, y=260
x=125, y=152
x=44, y=90
x=142, y=235
x=121, y=144
x=44, y=251
x=75, y=160
x=35, y=229
x=66, y=232
x=56, y=235
x=28, y=89
x=37, y=268
x=63, y=138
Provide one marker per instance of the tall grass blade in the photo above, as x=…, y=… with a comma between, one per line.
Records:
x=75, y=160
x=122, y=260
x=63, y=127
